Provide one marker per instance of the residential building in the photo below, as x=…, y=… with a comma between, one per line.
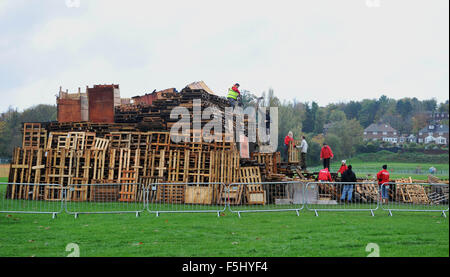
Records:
x=434, y=133
x=381, y=131
x=411, y=138
x=433, y=116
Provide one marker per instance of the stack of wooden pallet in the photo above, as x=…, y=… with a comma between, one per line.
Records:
x=410, y=193
x=138, y=149
x=80, y=158
x=366, y=193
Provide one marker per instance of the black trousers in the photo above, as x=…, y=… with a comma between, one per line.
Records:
x=303, y=160
x=326, y=163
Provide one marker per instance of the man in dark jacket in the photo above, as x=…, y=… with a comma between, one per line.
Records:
x=348, y=177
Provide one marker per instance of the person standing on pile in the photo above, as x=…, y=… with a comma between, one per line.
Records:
x=304, y=148
x=348, y=176
x=233, y=95
x=383, y=178
x=287, y=140
x=343, y=167
x=325, y=176
x=326, y=154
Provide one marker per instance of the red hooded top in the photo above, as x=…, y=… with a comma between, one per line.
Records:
x=326, y=152
x=384, y=176
x=342, y=169
x=324, y=175
x=288, y=139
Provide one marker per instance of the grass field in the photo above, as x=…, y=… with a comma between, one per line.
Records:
x=273, y=234
x=417, y=171
x=332, y=234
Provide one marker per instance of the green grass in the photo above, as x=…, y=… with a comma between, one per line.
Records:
x=332, y=234
x=270, y=234
x=418, y=171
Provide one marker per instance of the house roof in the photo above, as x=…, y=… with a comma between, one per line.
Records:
x=380, y=127
x=437, y=128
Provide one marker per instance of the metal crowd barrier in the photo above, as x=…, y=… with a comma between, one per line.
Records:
x=414, y=197
x=110, y=198
x=216, y=197
x=342, y=197
x=31, y=198
x=266, y=197
x=186, y=198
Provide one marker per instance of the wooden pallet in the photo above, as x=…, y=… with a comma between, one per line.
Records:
x=34, y=137
x=224, y=166
x=106, y=192
x=78, y=191
x=438, y=195
x=367, y=193
x=119, y=140
x=59, y=167
x=178, y=166
x=26, y=167
x=233, y=197
x=254, y=192
x=293, y=152
x=100, y=144
x=128, y=176
x=170, y=193
x=328, y=192
x=409, y=193
x=199, y=194
x=271, y=160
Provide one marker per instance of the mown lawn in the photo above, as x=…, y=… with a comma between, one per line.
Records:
x=334, y=234
x=415, y=170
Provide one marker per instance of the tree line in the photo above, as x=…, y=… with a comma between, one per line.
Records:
x=11, y=125
x=345, y=135
x=348, y=120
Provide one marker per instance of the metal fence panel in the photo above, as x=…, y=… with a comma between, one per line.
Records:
x=31, y=198
x=414, y=197
x=186, y=198
x=344, y=197
x=266, y=197
x=105, y=198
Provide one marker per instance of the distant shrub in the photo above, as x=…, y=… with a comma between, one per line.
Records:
x=384, y=155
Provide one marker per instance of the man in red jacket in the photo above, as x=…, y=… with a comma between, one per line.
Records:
x=383, y=177
x=325, y=176
x=326, y=154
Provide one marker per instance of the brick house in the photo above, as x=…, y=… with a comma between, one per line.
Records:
x=434, y=133
x=432, y=116
x=382, y=132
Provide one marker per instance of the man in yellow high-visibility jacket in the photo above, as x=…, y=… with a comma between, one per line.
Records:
x=233, y=94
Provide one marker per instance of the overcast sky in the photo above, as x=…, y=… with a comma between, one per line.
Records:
x=316, y=50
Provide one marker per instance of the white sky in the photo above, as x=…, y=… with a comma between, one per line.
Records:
x=316, y=50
